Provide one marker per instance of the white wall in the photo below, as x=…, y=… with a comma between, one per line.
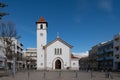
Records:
x=1, y=48
x=51, y=57
x=116, y=52
x=74, y=64
x=2, y=55
x=41, y=41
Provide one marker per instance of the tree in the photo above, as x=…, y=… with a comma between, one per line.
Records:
x=2, y=5
x=8, y=34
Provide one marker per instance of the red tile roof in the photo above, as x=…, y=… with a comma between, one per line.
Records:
x=41, y=19
x=73, y=57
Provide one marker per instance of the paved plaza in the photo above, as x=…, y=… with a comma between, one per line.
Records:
x=60, y=75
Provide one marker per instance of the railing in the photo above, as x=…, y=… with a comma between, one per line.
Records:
x=109, y=50
x=100, y=59
x=117, y=52
x=109, y=58
x=116, y=43
x=101, y=52
x=117, y=60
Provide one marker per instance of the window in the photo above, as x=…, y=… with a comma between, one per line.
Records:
x=41, y=34
x=117, y=48
x=41, y=55
x=117, y=56
x=41, y=26
x=73, y=63
x=58, y=51
x=41, y=64
x=55, y=51
x=117, y=39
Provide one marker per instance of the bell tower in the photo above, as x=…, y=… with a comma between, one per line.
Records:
x=41, y=42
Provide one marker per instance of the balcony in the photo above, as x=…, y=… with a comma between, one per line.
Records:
x=116, y=52
x=109, y=58
x=116, y=43
x=19, y=47
x=19, y=51
x=109, y=50
x=116, y=60
x=100, y=59
x=101, y=52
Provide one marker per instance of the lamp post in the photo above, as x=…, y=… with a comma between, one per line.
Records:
x=91, y=70
x=14, y=60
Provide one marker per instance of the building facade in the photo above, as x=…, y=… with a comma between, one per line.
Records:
x=2, y=56
x=54, y=55
x=108, y=54
x=84, y=63
x=93, y=64
x=105, y=55
x=16, y=51
x=116, y=48
x=30, y=56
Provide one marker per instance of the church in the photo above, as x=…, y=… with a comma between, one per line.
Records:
x=55, y=55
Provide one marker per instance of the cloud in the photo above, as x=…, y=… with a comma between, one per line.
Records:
x=80, y=54
x=86, y=9
x=106, y=5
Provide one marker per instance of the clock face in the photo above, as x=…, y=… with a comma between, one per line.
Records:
x=41, y=34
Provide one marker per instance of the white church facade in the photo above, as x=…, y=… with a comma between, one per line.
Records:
x=54, y=55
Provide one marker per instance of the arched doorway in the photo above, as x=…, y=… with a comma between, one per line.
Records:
x=58, y=64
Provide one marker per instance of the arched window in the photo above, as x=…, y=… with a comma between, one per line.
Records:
x=55, y=51
x=41, y=26
x=60, y=50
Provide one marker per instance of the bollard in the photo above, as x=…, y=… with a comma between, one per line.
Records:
x=91, y=75
x=44, y=75
x=28, y=75
x=110, y=75
x=76, y=76
x=60, y=75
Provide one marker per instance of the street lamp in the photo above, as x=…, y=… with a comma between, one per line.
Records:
x=14, y=60
x=91, y=69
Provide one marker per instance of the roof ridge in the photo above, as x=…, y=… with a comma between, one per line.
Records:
x=61, y=40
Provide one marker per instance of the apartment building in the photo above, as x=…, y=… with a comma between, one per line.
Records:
x=16, y=51
x=116, y=55
x=19, y=53
x=101, y=56
x=2, y=56
x=105, y=55
x=2, y=60
x=84, y=63
x=30, y=58
x=93, y=57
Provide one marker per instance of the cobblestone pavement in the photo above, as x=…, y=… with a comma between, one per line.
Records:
x=60, y=75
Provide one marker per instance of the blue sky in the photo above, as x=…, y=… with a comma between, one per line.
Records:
x=81, y=23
